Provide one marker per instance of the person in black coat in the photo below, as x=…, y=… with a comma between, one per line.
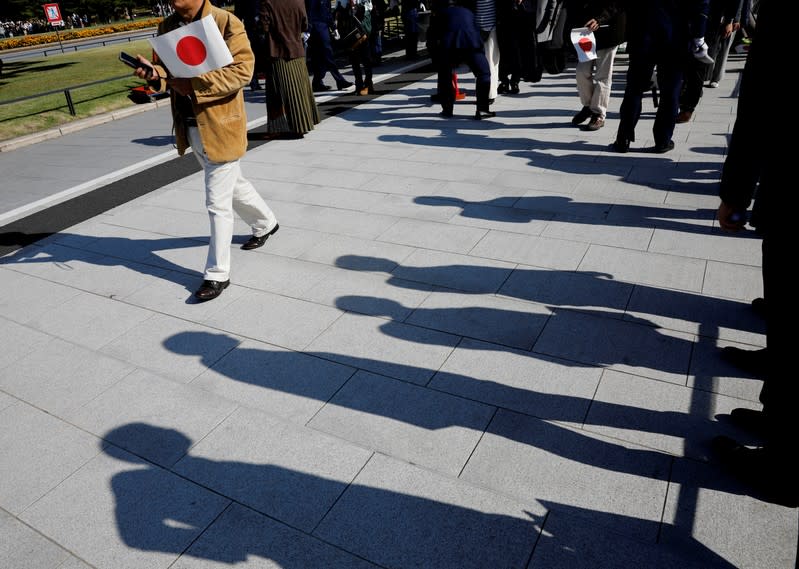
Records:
x=755, y=167
x=661, y=34
x=320, y=47
x=517, y=43
x=460, y=42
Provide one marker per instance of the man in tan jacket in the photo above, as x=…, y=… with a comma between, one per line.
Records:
x=209, y=116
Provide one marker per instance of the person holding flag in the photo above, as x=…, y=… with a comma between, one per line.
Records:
x=203, y=55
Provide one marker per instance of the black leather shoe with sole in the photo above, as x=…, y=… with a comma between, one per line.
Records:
x=663, y=148
x=620, y=145
x=479, y=115
x=752, y=362
x=211, y=289
x=584, y=114
x=255, y=242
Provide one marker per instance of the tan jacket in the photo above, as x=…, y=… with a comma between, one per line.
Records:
x=218, y=100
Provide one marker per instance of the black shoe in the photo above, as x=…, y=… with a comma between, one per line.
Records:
x=255, y=242
x=502, y=88
x=769, y=475
x=663, y=148
x=479, y=115
x=759, y=306
x=584, y=114
x=752, y=362
x=514, y=89
x=209, y=290
x=321, y=88
x=343, y=85
x=756, y=422
x=620, y=145
x=446, y=113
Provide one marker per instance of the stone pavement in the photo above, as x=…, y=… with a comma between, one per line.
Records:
x=472, y=344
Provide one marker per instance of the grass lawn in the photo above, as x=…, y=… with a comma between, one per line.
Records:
x=42, y=74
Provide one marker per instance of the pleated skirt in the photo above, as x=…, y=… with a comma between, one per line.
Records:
x=290, y=104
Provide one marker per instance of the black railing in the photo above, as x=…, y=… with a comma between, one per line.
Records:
x=67, y=92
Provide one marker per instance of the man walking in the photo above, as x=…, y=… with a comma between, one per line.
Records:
x=209, y=116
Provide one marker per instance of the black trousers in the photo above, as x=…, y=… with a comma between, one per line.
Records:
x=639, y=78
x=475, y=59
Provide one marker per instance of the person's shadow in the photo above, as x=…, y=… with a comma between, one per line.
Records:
x=321, y=522
x=139, y=255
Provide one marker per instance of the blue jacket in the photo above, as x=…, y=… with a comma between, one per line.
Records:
x=459, y=29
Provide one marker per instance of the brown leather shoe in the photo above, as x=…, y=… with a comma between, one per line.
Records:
x=209, y=290
x=684, y=116
x=595, y=123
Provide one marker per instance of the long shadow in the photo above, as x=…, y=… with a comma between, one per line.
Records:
x=524, y=209
x=138, y=255
x=321, y=522
x=158, y=140
x=565, y=289
x=530, y=417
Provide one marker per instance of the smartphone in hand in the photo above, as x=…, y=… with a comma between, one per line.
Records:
x=134, y=62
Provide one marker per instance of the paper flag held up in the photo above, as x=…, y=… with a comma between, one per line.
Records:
x=584, y=43
x=193, y=49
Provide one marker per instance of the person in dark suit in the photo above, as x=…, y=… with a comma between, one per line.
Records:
x=320, y=47
x=661, y=34
x=754, y=167
x=460, y=42
x=247, y=12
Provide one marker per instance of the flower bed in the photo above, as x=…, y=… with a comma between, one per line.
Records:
x=77, y=33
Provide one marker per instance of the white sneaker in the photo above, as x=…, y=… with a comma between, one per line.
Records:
x=713, y=84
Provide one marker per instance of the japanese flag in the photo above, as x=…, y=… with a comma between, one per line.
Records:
x=584, y=44
x=193, y=49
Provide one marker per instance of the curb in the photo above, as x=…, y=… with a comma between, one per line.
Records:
x=75, y=126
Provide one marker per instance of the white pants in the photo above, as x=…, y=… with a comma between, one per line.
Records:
x=227, y=190
x=594, y=79
x=491, y=48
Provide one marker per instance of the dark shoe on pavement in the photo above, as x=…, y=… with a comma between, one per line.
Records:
x=752, y=362
x=321, y=88
x=584, y=114
x=663, y=148
x=446, y=113
x=255, y=242
x=209, y=290
x=595, y=123
x=684, y=116
x=343, y=85
x=759, y=306
x=514, y=89
x=770, y=476
x=620, y=145
x=751, y=420
x=479, y=115
x=502, y=88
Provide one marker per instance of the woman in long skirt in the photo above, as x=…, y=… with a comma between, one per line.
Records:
x=290, y=105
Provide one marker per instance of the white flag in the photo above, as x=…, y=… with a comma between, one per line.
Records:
x=584, y=44
x=193, y=49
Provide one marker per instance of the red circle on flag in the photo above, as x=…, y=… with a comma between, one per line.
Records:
x=191, y=50
x=585, y=44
